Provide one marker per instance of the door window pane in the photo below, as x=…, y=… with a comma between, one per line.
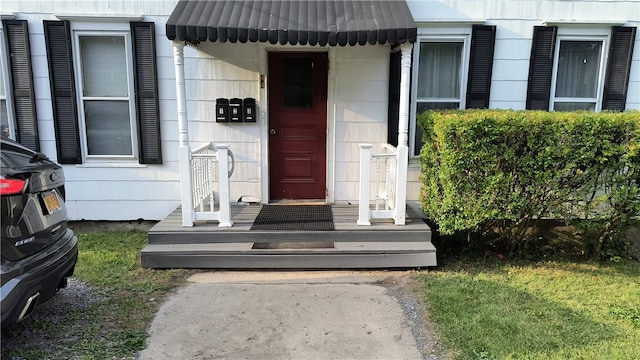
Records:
x=439, y=68
x=578, y=69
x=297, y=86
x=108, y=127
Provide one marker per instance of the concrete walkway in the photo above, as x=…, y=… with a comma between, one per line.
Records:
x=292, y=315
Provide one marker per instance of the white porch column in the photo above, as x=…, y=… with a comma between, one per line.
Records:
x=403, y=134
x=183, y=128
x=224, y=219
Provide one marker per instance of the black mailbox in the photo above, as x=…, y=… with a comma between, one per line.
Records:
x=235, y=110
x=249, y=110
x=222, y=110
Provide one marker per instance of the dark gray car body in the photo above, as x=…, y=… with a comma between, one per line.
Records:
x=38, y=251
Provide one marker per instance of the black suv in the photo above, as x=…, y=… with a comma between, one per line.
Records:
x=38, y=251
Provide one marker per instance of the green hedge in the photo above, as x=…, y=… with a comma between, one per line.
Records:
x=498, y=171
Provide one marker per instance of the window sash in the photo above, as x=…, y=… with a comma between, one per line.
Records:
x=567, y=96
x=574, y=105
x=443, y=36
x=103, y=58
x=440, y=104
x=443, y=77
x=107, y=137
x=117, y=140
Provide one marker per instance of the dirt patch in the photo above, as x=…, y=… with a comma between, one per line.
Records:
x=405, y=288
x=633, y=237
x=87, y=226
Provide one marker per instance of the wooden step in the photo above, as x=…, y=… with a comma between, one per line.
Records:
x=236, y=235
x=348, y=246
x=243, y=255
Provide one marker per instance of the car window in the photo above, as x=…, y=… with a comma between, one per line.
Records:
x=17, y=159
x=4, y=162
x=15, y=155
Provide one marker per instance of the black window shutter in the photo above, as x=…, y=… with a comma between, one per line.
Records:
x=483, y=38
x=618, y=68
x=146, y=87
x=57, y=36
x=541, y=67
x=393, y=116
x=21, y=82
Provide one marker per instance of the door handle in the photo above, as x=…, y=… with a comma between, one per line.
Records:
x=272, y=131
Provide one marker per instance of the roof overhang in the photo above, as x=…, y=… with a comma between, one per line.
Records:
x=293, y=22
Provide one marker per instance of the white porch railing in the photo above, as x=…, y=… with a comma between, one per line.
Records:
x=389, y=184
x=208, y=165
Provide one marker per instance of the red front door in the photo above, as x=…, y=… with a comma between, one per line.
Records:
x=297, y=125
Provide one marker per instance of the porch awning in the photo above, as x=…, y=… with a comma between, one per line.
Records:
x=301, y=22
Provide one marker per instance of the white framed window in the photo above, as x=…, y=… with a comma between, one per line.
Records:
x=440, y=71
x=105, y=86
x=7, y=123
x=579, y=66
x=578, y=73
x=441, y=65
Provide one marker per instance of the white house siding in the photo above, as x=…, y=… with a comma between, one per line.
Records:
x=357, y=106
x=225, y=70
x=514, y=20
x=359, y=79
x=108, y=191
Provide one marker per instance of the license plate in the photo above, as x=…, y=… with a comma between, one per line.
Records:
x=51, y=201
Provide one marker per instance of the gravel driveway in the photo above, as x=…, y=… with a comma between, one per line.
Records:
x=35, y=329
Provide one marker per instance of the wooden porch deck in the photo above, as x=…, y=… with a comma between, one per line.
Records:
x=207, y=246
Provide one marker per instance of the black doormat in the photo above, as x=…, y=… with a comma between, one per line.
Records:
x=294, y=217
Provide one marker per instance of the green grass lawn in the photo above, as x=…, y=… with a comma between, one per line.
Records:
x=488, y=309
x=545, y=310
x=110, y=263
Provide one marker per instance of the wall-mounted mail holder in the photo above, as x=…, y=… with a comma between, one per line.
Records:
x=249, y=110
x=222, y=110
x=236, y=110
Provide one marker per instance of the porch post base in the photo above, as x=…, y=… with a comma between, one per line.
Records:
x=225, y=224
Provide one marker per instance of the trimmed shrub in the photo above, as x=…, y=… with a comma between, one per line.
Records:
x=494, y=173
